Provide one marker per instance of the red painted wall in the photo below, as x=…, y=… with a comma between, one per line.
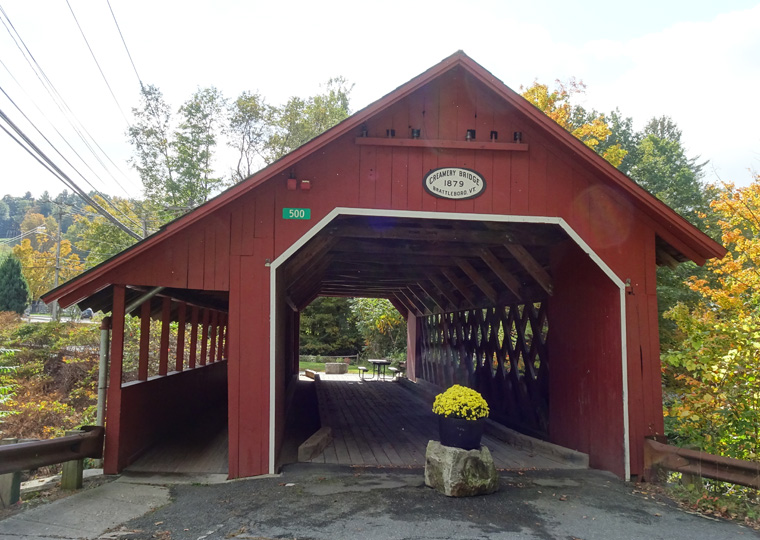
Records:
x=585, y=360
x=150, y=410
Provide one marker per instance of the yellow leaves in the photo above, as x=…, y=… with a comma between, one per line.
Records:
x=592, y=131
x=38, y=267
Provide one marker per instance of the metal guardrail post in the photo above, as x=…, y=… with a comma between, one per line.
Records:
x=10, y=483
x=71, y=474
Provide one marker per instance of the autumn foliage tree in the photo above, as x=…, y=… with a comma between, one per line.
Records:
x=591, y=128
x=37, y=255
x=713, y=376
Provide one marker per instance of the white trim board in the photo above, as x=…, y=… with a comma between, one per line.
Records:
x=374, y=212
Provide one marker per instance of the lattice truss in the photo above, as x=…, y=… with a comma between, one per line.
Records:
x=499, y=351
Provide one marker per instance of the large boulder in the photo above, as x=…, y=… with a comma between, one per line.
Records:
x=460, y=473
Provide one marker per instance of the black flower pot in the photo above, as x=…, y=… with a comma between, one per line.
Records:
x=461, y=433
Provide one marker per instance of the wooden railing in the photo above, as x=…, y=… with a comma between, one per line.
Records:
x=70, y=450
x=659, y=456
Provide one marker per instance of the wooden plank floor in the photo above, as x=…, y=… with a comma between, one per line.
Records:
x=200, y=449
x=384, y=424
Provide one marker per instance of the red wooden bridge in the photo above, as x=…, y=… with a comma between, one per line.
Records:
x=524, y=264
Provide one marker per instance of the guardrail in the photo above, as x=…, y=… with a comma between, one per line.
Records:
x=86, y=442
x=659, y=456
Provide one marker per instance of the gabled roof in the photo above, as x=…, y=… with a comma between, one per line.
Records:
x=676, y=231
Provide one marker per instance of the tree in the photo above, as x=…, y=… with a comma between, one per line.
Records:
x=45, y=230
x=14, y=293
x=38, y=266
x=663, y=169
x=300, y=120
x=250, y=127
x=194, y=146
x=381, y=325
x=176, y=164
x=589, y=127
x=715, y=369
x=328, y=327
x=99, y=238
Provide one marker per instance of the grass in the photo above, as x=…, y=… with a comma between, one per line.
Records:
x=320, y=367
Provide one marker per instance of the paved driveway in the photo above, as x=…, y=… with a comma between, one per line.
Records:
x=333, y=502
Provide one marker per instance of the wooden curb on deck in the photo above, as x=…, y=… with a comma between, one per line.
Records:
x=316, y=444
x=509, y=436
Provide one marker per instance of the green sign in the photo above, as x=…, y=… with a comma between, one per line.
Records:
x=296, y=213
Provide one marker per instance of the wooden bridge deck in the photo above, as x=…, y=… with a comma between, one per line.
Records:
x=200, y=448
x=384, y=424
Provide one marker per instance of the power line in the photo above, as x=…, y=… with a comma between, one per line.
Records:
x=66, y=160
x=63, y=177
x=124, y=42
x=65, y=139
x=55, y=95
x=97, y=63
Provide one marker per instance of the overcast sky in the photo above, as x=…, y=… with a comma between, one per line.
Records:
x=696, y=61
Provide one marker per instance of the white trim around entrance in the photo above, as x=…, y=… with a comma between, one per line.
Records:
x=373, y=212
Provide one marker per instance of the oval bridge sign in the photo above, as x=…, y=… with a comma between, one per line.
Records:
x=454, y=183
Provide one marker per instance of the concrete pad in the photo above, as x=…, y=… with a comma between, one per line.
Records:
x=163, y=479
x=86, y=514
x=41, y=484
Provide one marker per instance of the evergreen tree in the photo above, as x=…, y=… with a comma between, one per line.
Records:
x=13, y=290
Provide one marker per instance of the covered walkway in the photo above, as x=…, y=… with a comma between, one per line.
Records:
x=387, y=424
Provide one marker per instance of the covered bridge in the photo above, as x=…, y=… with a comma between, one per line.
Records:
x=523, y=263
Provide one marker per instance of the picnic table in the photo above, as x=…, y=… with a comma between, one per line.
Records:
x=377, y=365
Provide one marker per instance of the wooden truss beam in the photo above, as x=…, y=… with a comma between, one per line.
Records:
x=476, y=278
x=506, y=277
x=532, y=266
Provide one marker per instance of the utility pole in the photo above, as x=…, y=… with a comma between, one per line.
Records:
x=54, y=315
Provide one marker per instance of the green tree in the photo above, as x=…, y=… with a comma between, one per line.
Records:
x=98, y=238
x=381, y=326
x=14, y=293
x=249, y=129
x=176, y=164
x=328, y=328
x=300, y=120
x=202, y=118
x=660, y=166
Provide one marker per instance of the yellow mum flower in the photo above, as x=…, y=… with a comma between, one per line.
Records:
x=461, y=402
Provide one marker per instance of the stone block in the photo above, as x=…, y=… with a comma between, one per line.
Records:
x=460, y=473
x=336, y=368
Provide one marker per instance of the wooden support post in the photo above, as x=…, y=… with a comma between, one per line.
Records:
x=212, y=337
x=227, y=336
x=220, y=345
x=71, y=474
x=193, y=337
x=111, y=464
x=179, y=363
x=142, y=366
x=204, y=337
x=163, y=355
x=10, y=484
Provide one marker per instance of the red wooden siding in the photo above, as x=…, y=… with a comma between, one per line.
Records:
x=585, y=393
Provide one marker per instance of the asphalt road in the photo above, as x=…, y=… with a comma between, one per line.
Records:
x=327, y=502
